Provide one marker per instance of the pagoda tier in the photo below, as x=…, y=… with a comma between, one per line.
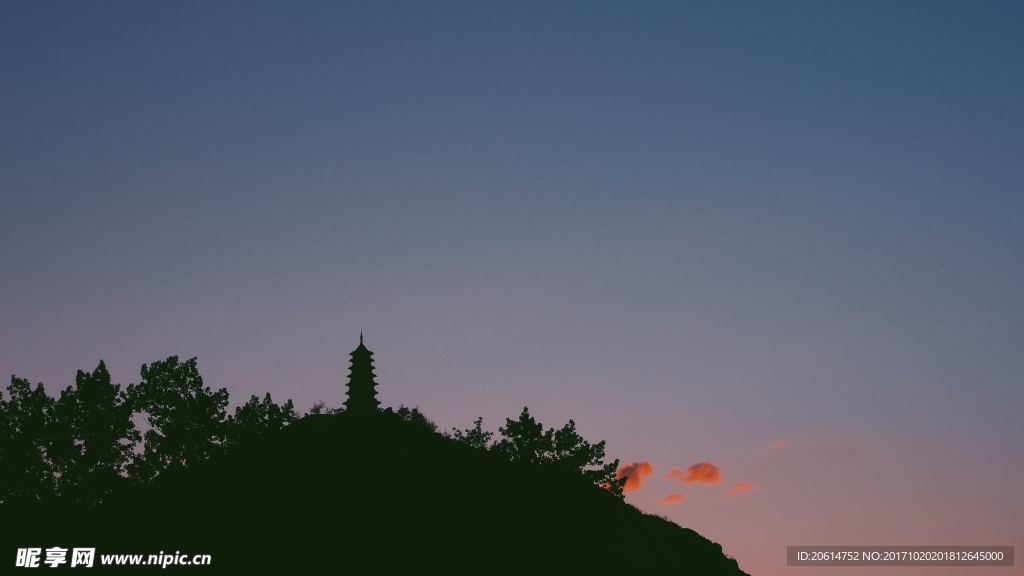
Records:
x=362, y=383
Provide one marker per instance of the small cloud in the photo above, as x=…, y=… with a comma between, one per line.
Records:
x=673, y=498
x=741, y=488
x=701, y=473
x=634, y=474
x=777, y=445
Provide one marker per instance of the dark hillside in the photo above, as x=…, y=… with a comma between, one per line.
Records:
x=333, y=492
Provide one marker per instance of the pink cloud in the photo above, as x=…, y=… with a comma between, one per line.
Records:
x=673, y=498
x=634, y=474
x=741, y=488
x=701, y=473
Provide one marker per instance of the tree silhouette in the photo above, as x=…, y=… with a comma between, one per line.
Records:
x=25, y=471
x=92, y=436
x=81, y=445
x=414, y=416
x=570, y=451
x=187, y=420
x=258, y=416
x=526, y=440
x=319, y=407
x=475, y=437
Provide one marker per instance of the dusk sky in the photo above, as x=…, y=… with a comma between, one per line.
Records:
x=698, y=229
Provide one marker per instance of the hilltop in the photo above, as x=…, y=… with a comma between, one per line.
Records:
x=332, y=492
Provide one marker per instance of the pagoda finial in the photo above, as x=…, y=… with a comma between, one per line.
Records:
x=360, y=336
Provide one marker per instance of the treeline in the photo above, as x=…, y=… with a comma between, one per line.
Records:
x=526, y=440
x=83, y=444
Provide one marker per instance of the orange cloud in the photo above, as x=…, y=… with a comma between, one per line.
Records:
x=741, y=488
x=701, y=473
x=673, y=498
x=634, y=474
x=777, y=445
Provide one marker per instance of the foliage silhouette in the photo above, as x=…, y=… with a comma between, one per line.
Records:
x=475, y=437
x=398, y=495
x=526, y=440
x=256, y=417
x=91, y=436
x=380, y=494
x=415, y=417
x=80, y=446
x=319, y=407
x=187, y=420
x=25, y=471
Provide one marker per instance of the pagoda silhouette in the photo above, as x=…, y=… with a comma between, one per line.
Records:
x=362, y=383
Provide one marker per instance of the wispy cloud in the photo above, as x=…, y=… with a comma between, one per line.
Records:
x=700, y=473
x=673, y=498
x=741, y=488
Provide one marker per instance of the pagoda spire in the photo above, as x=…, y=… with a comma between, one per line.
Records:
x=362, y=383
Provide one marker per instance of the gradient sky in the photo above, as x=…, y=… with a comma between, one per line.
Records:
x=695, y=228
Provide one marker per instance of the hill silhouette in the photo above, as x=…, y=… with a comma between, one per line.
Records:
x=333, y=492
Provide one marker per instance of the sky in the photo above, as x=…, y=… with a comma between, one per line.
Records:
x=781, y=238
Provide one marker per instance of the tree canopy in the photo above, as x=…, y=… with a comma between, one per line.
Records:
x=81, y=445
x=25, y=472
x=526, y=440
x=258, y=416
x=92, y=436
x=187, y=420
x=474, y=437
